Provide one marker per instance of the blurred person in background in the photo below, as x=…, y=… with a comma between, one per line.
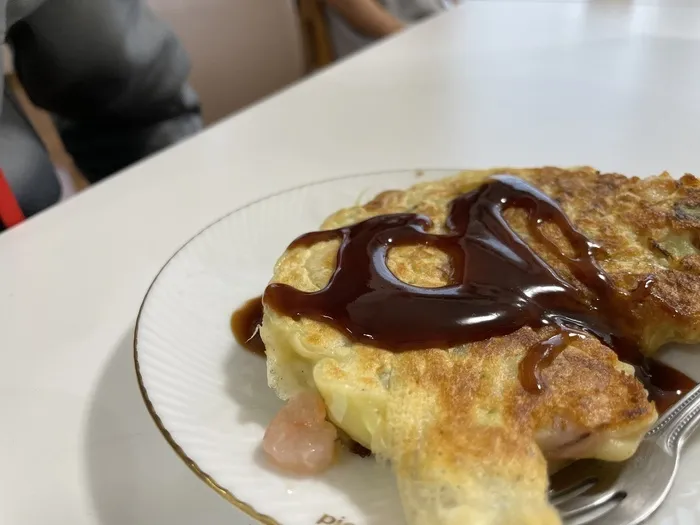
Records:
x=113, y=76
x=354, y=24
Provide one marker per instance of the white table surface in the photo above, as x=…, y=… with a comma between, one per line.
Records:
x=612, y=84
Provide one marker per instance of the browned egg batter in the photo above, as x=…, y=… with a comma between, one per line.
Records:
x=499, y=285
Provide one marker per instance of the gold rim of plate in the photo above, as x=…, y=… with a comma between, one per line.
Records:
x=192, y=464
x=194, y=467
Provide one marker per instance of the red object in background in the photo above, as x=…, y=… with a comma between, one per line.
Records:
x=10, y=212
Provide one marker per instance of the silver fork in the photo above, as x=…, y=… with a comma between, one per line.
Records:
x=628, y=493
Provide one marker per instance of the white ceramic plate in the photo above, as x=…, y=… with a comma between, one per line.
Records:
x=210, y=399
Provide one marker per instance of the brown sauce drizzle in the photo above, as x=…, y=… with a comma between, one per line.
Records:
x=501, y=285
x=665, y=384
x=244, y=325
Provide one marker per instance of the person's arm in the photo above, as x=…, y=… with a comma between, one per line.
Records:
x=367, y=17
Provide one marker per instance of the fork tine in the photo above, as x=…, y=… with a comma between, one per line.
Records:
x=590, y=472
x=627, y=512
x=559, y=497
x=573, y=476
x=586, y=503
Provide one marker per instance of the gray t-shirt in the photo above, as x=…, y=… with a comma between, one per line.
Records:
x=347, y=40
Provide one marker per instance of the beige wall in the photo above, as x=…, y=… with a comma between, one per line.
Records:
x=241, y=50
